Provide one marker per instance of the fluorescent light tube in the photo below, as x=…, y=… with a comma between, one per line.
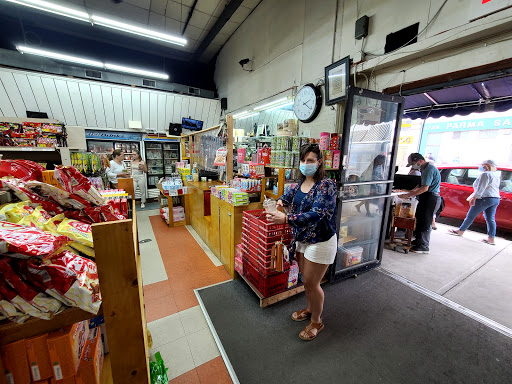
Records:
x=53, y=8
x=240, y=114
x=142, y=72
x=279, y=106
x=269, y=104
x=59, y=56
x=138, y=30
x=247, y=116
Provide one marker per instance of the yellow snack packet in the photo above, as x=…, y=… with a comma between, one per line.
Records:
x=76, y=230
x=18, y=212
x=82, y=248
x=38, y=218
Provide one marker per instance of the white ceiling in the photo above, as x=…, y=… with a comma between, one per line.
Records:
x=170, y=16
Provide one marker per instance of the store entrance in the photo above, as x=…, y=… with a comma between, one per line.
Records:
x=457, y=126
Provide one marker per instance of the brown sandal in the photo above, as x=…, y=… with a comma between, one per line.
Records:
x=301, y=315
x=307, y=331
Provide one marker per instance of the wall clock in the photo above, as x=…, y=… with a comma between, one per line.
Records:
x=307, y=103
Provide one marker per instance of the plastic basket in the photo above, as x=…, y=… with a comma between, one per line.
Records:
x=265, y=270
x=267, y=286
x=257, y=217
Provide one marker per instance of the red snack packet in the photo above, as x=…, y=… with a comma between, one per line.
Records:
x=46, y=306
x=22, y=169
x=78, y=215
x=63, y=198
x=109, y=213
x=94, y=214
x=84, y=293
x=19, y=303
x=9, y=311
x=31, y=242
x=124, y=207
x=74, y=182
x=25, y=194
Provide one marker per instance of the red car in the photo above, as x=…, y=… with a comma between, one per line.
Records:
x=457, y=184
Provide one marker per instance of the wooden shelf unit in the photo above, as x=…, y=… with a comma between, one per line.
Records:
x=170, y=222
x=119, y=269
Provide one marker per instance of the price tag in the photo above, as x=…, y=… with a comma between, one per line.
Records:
x=57, y=371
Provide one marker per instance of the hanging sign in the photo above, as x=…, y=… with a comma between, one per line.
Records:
x=112, y=135
x=470, y=125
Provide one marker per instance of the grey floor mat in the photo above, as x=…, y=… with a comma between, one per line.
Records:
x=377, y=330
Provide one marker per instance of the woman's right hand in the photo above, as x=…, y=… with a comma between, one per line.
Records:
x=279, y=204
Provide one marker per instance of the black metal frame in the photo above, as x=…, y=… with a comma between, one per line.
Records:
x=353, y=91
x=346, y=62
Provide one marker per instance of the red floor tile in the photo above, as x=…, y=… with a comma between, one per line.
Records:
x=214, y=372
x=190, y=377
x=157, y=290
x=185, y=299
x=159, y=308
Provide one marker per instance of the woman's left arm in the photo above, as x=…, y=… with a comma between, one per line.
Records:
x=480, y=185
x=325, y=203
x=144, y=167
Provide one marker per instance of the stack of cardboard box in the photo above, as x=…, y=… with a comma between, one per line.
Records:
x=72, y=355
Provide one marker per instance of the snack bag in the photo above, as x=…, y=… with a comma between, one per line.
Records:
x=9, y=311
x=25, y=194
x=84, y=293
x=18, y=212
x=19, y=303
x=21, y=169
x=52, y=224
x=38, y=218
x=74, y=182
x=79, y=215
x=47, y=305
x=88, y=251
x=76, y=230
x=109, y=214
x=31, y=242
x=220, y=157
x=94, y=214
x=63, y=198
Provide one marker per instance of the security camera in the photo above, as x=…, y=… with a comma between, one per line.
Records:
x=243, y=62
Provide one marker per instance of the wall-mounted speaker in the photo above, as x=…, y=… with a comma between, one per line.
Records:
x=174, y=129
x=224, y=103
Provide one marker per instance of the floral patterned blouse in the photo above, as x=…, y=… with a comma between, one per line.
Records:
x=314, y=220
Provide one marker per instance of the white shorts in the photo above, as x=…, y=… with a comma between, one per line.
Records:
x=320, y=253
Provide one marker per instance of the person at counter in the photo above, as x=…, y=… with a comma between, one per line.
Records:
x=116, y=168
x=312, y=218
x=428, y=196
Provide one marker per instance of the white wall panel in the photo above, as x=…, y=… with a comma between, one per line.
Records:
x=90, y=115
x=118, y=108
x=106, y=93
x=99, y=106
x=144, y=109
x=127, y=105
x=94, y=104
x=153, y=110
x=162, y=120
x=5, y=103
x=65, y=101
x=136, y=106
x=177, y=109
x=76, y=100
x=169, y=110
x=53, y=99
x=36, y=85
x=14, y=94
x=26, y=92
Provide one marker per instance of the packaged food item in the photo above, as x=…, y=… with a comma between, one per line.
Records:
x=91, y=363
x=60, y=196
x=21, y=169
x=220, y=157
x=38, y=357
x=9, y=311
x=21, y=305
x=65, y=347
x=18, y=211
x=78, y=215
x=350, y=256
x=70, y=278
x=76, y=230
x=88, y=251
x=94, y=214
x=109, y=214
x=38, y=218
x=74, y=182
x=25, y=194
x=31, y=242
x=46, y=305
x=15, y=364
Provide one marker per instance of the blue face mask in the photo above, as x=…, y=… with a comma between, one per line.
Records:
x=481, y=168
x=308, y=169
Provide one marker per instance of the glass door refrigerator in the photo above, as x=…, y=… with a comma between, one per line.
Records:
x=369, y=146
x=171, y=156
x=155, y=164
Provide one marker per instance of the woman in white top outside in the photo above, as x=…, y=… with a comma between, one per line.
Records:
x=486, y=199
x=116, y=168
x=139, y=181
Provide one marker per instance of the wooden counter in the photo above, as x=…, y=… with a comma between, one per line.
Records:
x=222, y=230
x=202, y=185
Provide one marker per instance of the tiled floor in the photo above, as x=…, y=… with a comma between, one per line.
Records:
x=174, y=263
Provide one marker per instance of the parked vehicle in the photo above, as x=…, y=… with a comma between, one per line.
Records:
x=457, y=184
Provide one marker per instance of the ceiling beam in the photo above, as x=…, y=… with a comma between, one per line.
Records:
x=223, y=19
x=189, y=17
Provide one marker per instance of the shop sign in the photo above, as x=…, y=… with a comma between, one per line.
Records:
x=406, y=140
x=111, y=135
x=470, y=125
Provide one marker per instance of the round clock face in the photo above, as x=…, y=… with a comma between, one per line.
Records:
x=307, y=103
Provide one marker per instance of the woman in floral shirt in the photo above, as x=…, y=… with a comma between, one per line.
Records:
x=312, y=218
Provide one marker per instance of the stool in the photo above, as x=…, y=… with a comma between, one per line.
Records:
x=409, y=224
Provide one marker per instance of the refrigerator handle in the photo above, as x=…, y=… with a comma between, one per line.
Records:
x=365, y=198
x=344, y=162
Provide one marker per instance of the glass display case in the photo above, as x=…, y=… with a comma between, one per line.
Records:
x=369, y=146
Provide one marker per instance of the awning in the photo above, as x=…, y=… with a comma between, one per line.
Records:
x=491, y=95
